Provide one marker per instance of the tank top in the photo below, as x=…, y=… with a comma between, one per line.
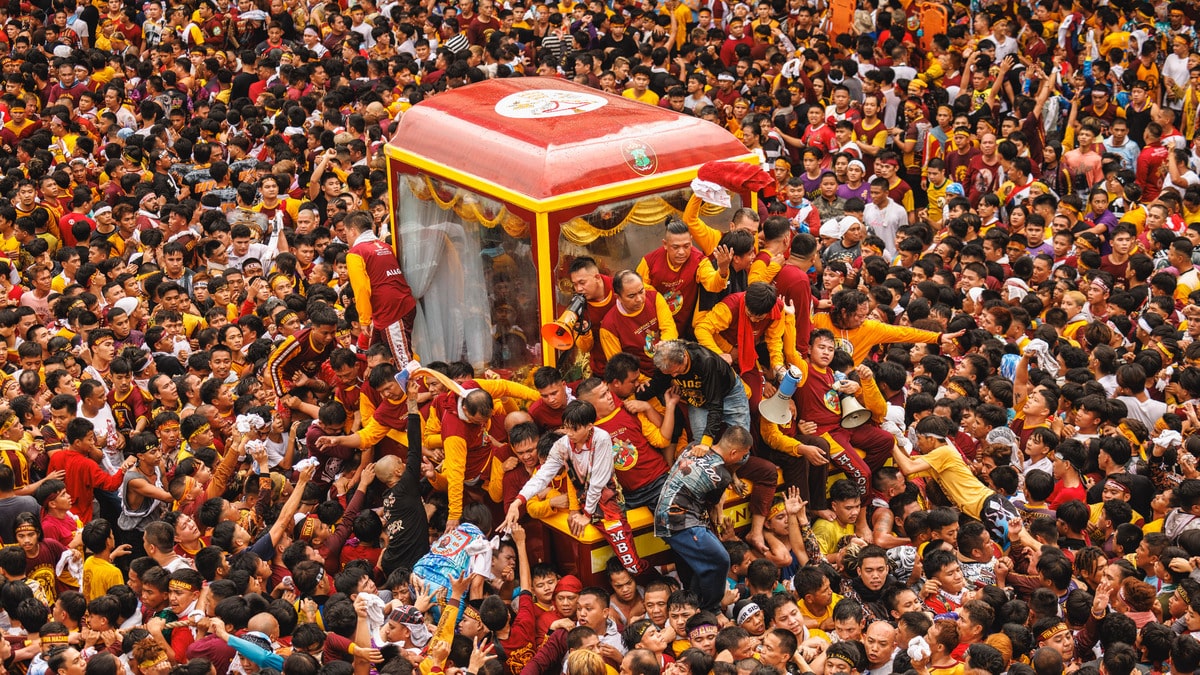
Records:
x=1138, y=121
x=136, y=519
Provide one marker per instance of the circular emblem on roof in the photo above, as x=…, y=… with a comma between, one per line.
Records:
x=640, y=157
x=543, y=103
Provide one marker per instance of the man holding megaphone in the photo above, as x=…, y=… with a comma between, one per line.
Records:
x=819, y=400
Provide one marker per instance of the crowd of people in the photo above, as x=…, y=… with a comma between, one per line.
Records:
x=943, y=357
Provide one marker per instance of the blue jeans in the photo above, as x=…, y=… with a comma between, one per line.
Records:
x=706, y=556
x=735, y=411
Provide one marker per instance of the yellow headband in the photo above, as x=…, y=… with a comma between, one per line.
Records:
x=776, y=509
x=25, y=527
x=189, y=484
x=956, y=388
x=199, y=430
x=177, y=585
x=286, y=316
x=55, y=639
x=8, y=424
x=1050, y=632
x=150, y=663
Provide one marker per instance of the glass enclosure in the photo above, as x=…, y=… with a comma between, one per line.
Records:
x=470, y=264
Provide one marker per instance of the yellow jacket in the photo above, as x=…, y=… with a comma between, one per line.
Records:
x=719, y=318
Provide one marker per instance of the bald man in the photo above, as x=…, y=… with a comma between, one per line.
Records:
x=880, y=641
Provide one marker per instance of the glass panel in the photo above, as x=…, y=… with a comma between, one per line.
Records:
x=617, y=235
x=470, y=265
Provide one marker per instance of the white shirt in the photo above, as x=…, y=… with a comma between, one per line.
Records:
x=885, y=222
x=1147, y=412
x=105, y=425
x=1005, y=47
x=1176, y=68
x=1189, y=178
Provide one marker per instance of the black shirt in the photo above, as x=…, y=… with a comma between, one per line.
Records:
x=705, y=385
x=403, y=510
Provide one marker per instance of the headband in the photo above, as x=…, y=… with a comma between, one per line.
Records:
x=777, y=509
x=286, y=316
x=750, y=610
x=189, y=484
x=1070, y=208
x=179, y=585
x=1098, y=282
x=150, y=663
x=1183, y=595
x=310, y=525
x=469, y=612
x=1050, y=632
x=702, y=631
x=1116, y=486
x=25, y=527
x=841, y=657
x=956, y=388
x=199, y=430
x=168, y=425
x=55, y=639
x=8, y=424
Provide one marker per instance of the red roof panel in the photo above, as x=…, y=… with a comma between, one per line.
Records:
x=544, y=137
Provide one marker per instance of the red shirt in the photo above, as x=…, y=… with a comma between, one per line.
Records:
x=1063, y=494
x=391, y=298
x=83, y=477
x=637, y=333
x=547, y=418
x=792, y=284
x=817, y=402
x=1151, y=167
x=595, y=313
x=678, y=286
x=636, y=463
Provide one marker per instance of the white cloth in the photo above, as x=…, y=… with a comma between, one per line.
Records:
x=1046, y=361
x=710, y=193
x=375, y=617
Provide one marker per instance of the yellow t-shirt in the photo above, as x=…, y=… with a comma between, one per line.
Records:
x=824, y=616
x=99, y=575
x=829, y=533
x=957, y=481
x=647, y=97
x=9, y=247
x=937, y=201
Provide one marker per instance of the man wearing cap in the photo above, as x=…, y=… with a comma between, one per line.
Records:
x=213, y=25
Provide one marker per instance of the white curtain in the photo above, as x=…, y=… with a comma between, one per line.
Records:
x=442, y=263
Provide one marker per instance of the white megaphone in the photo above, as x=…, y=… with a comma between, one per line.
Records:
x=775, y=409
x=854, y=415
